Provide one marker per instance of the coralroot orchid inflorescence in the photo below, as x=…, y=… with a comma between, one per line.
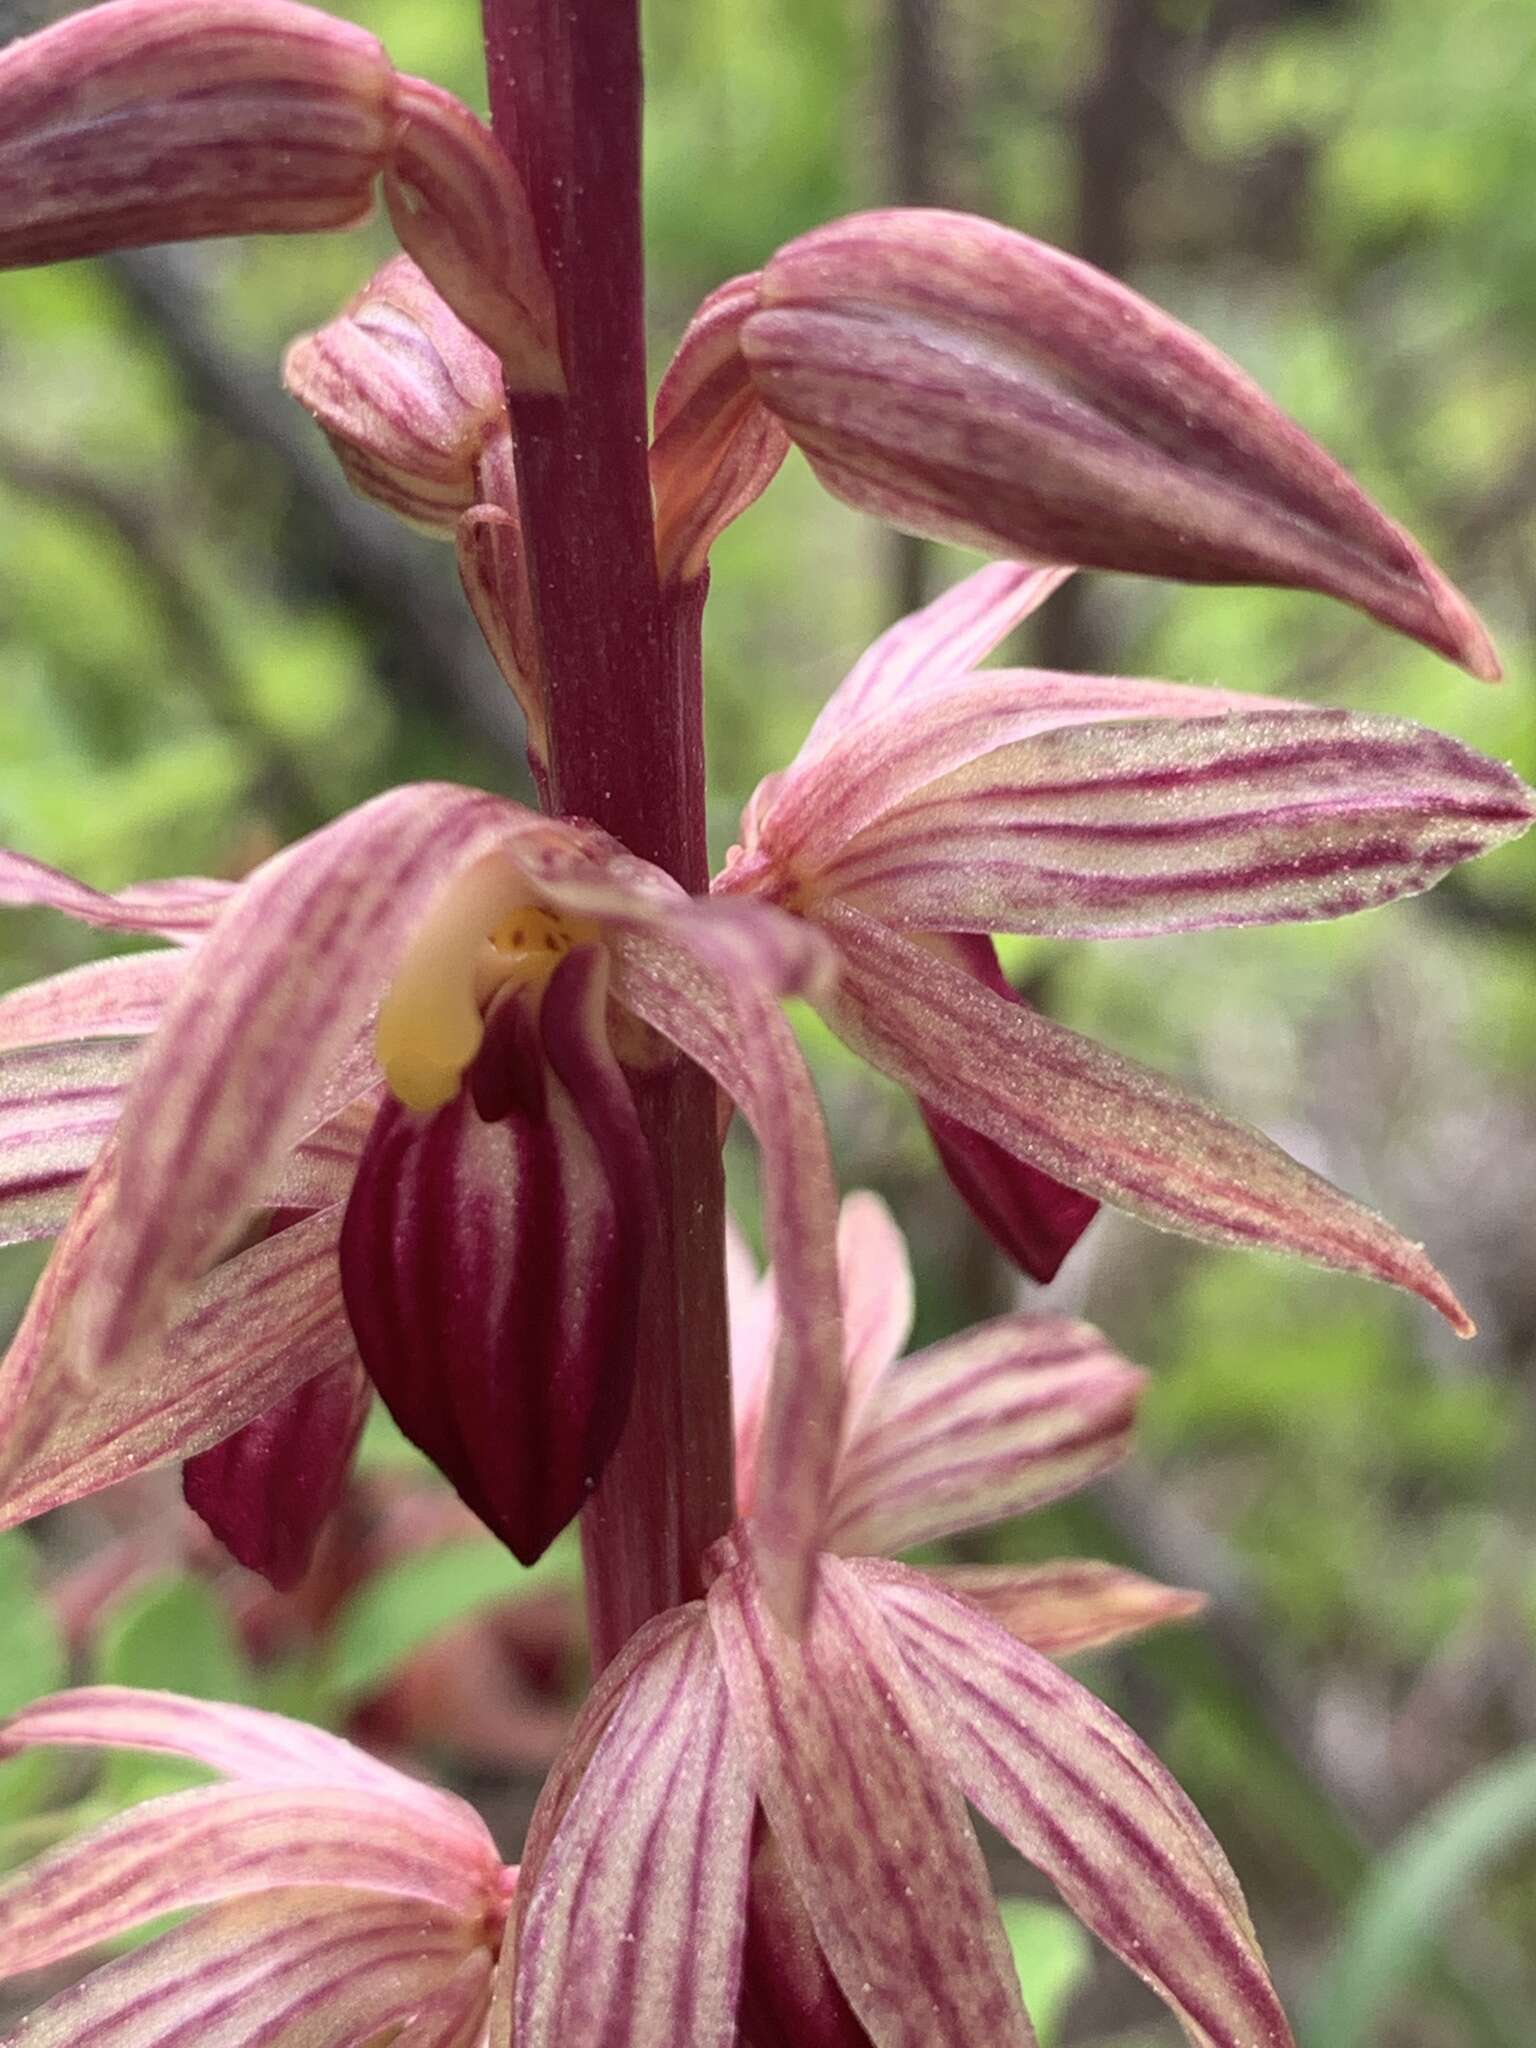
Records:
x=430, y=1104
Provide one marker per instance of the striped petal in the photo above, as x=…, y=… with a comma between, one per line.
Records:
x=1082, y=1798
x=875, y=1840
x=970, y=383
x=490, y=1258
x=159, y=120
x=308, y=1969
x=802, y=818
x=267, y=1491
x=700, y=991
x=255, y=1330
x=930, y=649
x=224, y=1842
x=268, y=1008
x=58, y=1107
x=1013, y=1414
x=121, y=998
x=631, y=1933
x=244, y=1744
x=183, y=909
x=1074, y=1605
x=1097, y=1121
x=1123, y=831
x=716, y=447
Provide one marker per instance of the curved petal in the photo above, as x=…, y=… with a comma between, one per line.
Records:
x=267, y=1491
x=1086, y=1802
x=874, y=1838
x=256, y=1329
x=183, y=909
x=705, y=999
x=120, y=998
x=631, y=1934
x=244, y=1744
x=1074, y=1605
x=1121, y=831
x=343, y=1968
x=1007, y=1417
x=269, y=1006
x=876, y=1281
x=223, y=1842
x=58, y=1106
x=930, y=649
x=1097, y=1121
x=490, y=1258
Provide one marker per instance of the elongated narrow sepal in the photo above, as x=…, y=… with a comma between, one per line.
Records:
x=406, y=395
x=1083, y=1799
x=163, y=120
x=121, y=998
x=1164, y=825
x=1007, y=1417
x=58, y=1107
x=630, y=1934
x=874, y=1837
x=1103, y=1123
x=182, y=909
x=493, y=568
x=1075, y=1605
x=267, y=1491
x=967, y=382
x=716, y=447
x=489, y=1261
x=459, y=208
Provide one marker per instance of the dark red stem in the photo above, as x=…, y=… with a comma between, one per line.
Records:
x=623, y=673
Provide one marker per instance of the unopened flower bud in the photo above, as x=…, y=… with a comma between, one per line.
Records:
x=162, y=120
x=409, y=399
x=964, y=381
x=717, y=446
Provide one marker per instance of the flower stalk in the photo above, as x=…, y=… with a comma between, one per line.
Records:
x=622, y=679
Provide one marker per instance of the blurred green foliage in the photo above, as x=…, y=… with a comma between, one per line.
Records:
x=1340, y=193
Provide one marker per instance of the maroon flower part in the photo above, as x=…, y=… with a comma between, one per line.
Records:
x=931, y=799
x=332, y=1899
x=412, y=1033
x=170, y=120
x=967, y=382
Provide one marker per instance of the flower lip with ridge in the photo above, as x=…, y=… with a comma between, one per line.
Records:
x=934, y=804
x=415, y=1030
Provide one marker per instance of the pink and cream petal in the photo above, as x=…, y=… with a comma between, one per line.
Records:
x=1087, y=1803
x=267, y=1491
x=271, y=1003
x=337, y=1968
x=874, y=1838
x=119, y=998
x=752, y=1303
x=876, y=1280
x=1015, y=1413
x=183, y=909
x=257, y=1328
x=1124, y=831
x=707, y=1002
x=1074, y=1605
x=631, y=1931
x=223, y=1842
x=1097, y=1121
x=58, y=1106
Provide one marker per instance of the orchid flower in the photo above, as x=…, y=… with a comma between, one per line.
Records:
x=860, y=1738
x=333, y=1900
x=933, y=804
x=417, y=1037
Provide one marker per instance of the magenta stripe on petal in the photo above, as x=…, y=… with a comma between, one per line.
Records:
x=182, y=909
x=121, y=998
x=873, y=1836
x=1074, y=1605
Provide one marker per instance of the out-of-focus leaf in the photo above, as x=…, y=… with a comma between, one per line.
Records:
x=401, y=1609
x=169, y=1636
x=32, y=1662
x=1391, y=1934
x=1053, y=1956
